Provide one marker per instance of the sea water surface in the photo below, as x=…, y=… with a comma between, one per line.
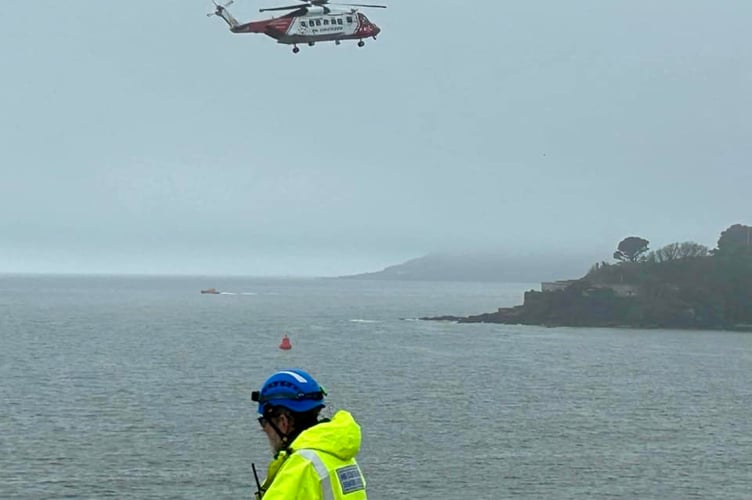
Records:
x=139, y=387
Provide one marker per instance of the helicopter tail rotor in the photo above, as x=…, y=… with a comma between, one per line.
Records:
x=220, y=10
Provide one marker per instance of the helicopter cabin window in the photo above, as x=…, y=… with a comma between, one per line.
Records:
x=326, y=22
x=318, y=22
x=339, y=21
x=349, y=19
x=303, y=23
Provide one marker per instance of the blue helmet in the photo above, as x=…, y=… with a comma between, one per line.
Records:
x=293, y=389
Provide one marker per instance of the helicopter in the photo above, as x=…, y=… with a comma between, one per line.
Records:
x=309, y=22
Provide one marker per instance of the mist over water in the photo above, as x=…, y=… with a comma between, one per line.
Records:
x=140, y=388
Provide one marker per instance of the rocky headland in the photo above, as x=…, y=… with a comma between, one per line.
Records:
x=683, y=285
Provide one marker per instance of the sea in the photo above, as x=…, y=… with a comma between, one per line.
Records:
x=140, y=387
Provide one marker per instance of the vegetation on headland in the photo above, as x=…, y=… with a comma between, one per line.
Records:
x=682, y=285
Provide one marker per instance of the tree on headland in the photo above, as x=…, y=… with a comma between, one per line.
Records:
x=676, y=251
x=735, y=240
x=690, y=250
x=631, y=249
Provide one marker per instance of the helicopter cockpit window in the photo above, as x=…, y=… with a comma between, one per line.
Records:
x=349, y=19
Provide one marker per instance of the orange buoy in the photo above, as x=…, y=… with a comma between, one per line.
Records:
x=286, y=345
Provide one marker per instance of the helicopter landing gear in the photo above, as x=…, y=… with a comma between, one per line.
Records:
x=295, y=49
x=336, y=42
x=311, y=44
x=361, y=43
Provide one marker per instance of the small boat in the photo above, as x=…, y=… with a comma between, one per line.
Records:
x=210, y=290
x=285, y=344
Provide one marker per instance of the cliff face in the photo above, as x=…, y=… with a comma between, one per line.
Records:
x=708, y=293
x=599, y=307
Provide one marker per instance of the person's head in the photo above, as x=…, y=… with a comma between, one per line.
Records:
x=289, y=402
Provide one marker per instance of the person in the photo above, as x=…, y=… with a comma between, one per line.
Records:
x=314, y=458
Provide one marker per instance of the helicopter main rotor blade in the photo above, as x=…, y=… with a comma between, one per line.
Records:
x=289, y=7
x=359, y=5
x=327, y=2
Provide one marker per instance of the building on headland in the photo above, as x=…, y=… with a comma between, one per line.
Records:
x=619, y=289
x=555, y=286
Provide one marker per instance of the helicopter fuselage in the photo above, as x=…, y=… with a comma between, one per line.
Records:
x=311, y=25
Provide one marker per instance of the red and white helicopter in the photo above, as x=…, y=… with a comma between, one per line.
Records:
x=310, y=22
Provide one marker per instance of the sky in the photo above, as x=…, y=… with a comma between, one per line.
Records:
x=144, y=137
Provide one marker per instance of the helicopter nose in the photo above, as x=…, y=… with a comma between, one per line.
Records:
x=375, y=30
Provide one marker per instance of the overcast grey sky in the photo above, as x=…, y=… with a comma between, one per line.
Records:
x=145, y=137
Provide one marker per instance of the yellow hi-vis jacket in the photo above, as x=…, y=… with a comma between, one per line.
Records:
x=319, y=464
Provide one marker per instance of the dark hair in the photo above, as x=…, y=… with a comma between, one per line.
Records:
x=299, y=421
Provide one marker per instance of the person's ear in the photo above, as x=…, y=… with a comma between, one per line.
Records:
x=284, y=423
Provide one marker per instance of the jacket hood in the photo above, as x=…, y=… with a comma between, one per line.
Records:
x=340, y=437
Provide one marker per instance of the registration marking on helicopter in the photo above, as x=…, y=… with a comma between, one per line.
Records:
x=328, y=30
